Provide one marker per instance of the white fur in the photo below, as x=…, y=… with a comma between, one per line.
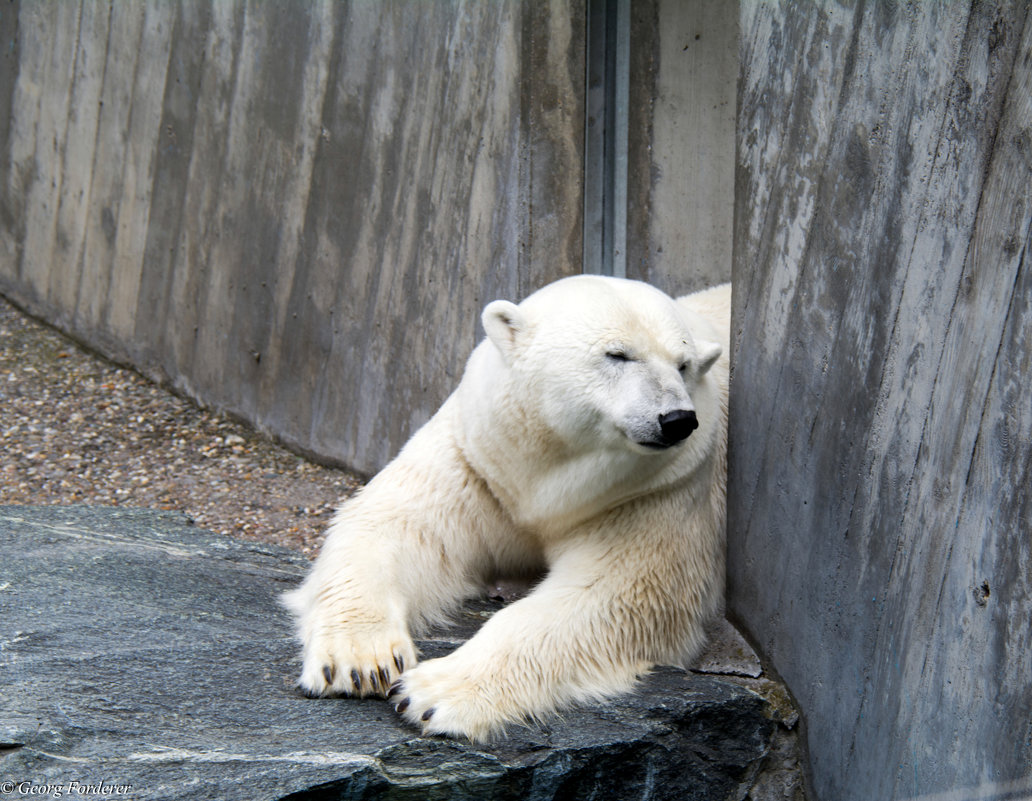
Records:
x=544, y=457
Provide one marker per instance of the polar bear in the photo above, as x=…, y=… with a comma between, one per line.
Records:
x=587, y=438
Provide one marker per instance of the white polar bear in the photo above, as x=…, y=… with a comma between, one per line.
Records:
x=586, y=438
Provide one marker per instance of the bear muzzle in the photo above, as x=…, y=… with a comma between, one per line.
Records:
x=676, y=426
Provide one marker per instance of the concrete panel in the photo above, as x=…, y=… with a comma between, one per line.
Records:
x=879, y=548
x=684, y=71
x=291, y=213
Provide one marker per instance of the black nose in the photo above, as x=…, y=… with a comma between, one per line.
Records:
x=678, y=424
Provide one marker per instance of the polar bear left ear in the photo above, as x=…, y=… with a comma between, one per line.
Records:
x=503, y=322
x=709, y=352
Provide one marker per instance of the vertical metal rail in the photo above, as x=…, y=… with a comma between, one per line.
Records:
x=605, y=137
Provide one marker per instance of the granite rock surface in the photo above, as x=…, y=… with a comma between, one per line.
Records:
x=151, y=658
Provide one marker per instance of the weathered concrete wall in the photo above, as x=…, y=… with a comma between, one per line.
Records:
x=290, y=211
x=880, y=531
x=681, y=142
x=296, y=212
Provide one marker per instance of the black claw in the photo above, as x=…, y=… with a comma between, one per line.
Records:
x=428, y=714
x=356, y=680
x=307, y=693
x=372, y=680
x=394, y=689
x=403, y=705
x=327, y=672
x=385, y=679
x=399, y=663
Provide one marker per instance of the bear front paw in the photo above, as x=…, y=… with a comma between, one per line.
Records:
x=441, y=698
x=353, y=664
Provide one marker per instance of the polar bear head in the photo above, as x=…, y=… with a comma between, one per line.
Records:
x=604, y=363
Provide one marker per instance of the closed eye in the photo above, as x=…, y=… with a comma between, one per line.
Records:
x=617, y=356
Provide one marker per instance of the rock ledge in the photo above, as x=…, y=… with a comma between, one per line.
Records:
x=139, y=652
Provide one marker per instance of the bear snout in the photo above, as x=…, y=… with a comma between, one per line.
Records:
x=675, y=426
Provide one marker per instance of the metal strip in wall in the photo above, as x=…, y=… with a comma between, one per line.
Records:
x=605, y=145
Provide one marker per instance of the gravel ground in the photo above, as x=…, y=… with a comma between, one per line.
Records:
x=75, y=428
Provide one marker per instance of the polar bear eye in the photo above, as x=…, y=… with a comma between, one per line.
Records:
x=617, y=356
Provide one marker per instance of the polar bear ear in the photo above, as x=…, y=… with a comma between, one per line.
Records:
x=503, y=322
x=709, y=352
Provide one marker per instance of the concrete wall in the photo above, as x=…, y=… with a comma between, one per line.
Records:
x=880, y=531
x=293, y=212
x=684, y=70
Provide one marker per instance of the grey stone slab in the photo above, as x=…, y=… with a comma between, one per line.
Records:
x=138, y=650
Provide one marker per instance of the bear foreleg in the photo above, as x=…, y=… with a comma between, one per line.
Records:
x=420, y=538
x=585, y=634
